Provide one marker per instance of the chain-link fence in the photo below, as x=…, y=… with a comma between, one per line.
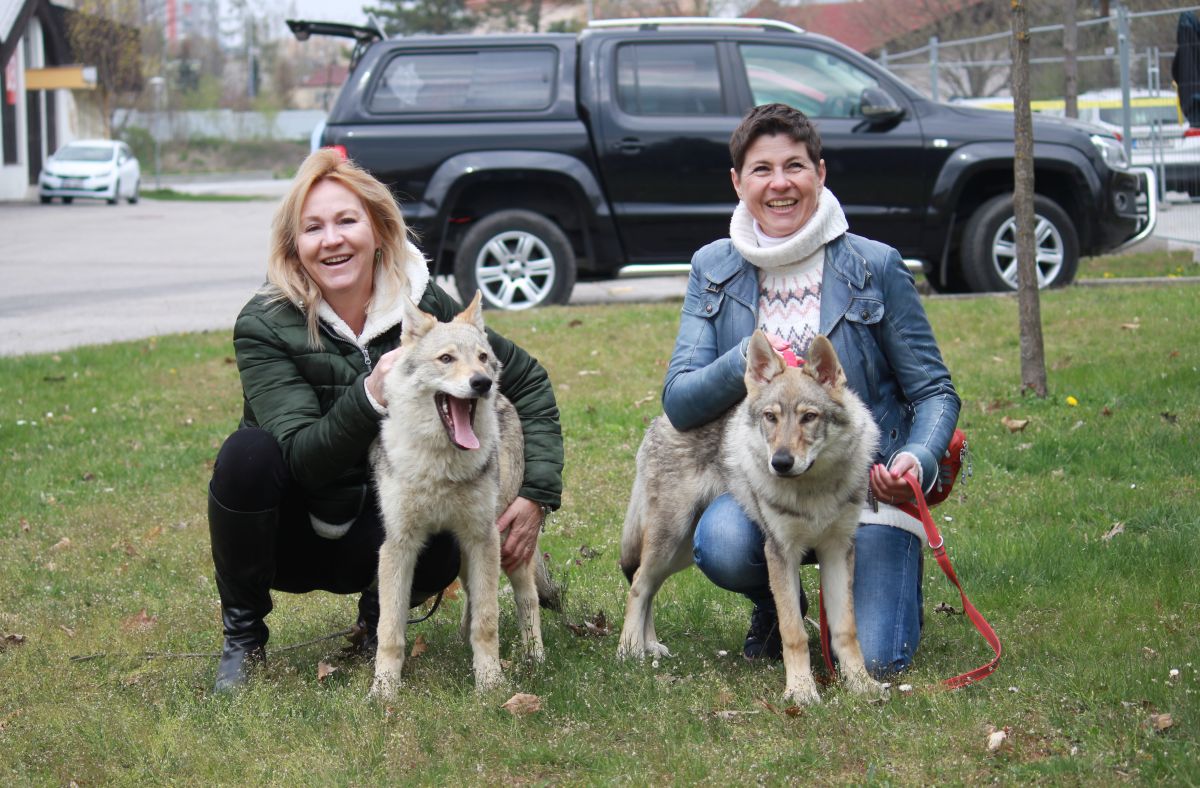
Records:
x=1123, y=80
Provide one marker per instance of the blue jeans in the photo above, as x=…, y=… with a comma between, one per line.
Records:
x=728, y=549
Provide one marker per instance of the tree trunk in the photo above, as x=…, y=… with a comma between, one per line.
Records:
x=1033, y=357
x=1070, y=56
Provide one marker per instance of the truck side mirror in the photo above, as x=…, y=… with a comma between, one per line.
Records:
x=878, y=106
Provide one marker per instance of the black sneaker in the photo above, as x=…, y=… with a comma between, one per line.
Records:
x=762, y=640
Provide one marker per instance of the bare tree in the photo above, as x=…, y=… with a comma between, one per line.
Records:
x=1033, y=357
x=104, y=34
x=1070, y=57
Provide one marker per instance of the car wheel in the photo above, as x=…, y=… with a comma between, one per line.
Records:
x=116, y=193
x=45, y=200
x=989, y=245
x=133, y=198
x=68, y=200
x=517, y=259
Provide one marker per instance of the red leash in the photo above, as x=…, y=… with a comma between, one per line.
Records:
x=920, y=510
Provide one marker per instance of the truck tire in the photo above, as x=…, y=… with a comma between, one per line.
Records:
x=989, y=245
x=518, y=259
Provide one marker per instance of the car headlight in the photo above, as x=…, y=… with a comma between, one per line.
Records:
x=1111, y=150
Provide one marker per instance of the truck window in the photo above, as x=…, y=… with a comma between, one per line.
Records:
x=480, y=81
x=817, y=83
x=668, y=79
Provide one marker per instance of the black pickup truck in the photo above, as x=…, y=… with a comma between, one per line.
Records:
x=526, y=161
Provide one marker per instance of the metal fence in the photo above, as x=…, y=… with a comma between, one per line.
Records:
x=1124, y=83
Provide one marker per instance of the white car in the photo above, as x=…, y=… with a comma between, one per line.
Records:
x=97, y=169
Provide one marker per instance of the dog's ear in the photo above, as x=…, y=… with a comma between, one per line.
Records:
x=823, y=364
x=473, y=314
x=762, y=362
x=416, y=323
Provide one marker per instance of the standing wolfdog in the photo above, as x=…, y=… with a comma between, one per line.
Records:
x=449, y=458
x=796, y=455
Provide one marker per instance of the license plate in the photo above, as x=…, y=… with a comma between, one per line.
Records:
x=72, y=183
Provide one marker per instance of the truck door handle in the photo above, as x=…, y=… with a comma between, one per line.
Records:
x=630, y=146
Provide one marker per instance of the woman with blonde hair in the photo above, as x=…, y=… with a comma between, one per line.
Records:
x=291, y=505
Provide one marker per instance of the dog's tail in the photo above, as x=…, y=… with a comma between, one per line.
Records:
x=634, y=529
x=550, y=594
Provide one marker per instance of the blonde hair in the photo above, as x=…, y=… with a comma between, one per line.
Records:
x=287, y=279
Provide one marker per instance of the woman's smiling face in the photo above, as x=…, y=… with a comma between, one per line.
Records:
x=779, y=184
x=336, y=242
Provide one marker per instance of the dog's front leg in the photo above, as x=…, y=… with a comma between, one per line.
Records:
x=784, y=575
x=397, y=561
x=482, y=552
x=529, y=615
x=837, y=578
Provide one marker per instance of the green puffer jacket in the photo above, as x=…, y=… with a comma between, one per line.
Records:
x=315, y=403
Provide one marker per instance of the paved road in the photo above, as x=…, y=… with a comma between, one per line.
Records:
x=90, y=273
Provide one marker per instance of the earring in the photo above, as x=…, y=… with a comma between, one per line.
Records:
x=378, y=256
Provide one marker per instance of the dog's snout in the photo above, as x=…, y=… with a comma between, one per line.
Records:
x=480, y=383
x=782, y=461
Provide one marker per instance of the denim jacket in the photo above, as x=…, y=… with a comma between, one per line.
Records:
x=871, y=312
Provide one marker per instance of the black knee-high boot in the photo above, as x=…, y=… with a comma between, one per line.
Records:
x=243, y=550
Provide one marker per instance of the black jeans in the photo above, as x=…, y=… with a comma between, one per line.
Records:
x=250, y=475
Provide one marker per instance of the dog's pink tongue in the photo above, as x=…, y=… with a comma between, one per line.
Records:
x=460, y=416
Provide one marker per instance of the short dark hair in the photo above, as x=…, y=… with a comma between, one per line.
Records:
x=768, y=119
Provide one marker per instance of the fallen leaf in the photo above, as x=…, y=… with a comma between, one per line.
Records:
x=996, y=739
x=1117, y=528
x=597, y=626
x=576, y=323
x=12, y=640
x=153, y=533
x=418, y=647
x=945, y=608
x=1014, y=425
x=766, y=704
x=1160, y=722
x=1148, y=652
x=995, y=405
x=793, y=711
x=70, y=632
x=24, y=524
x=139, y=622
x=451, y=591
x=325, y=670
x=637, y=403
x=61, y=544
x=730, y=714
x=1131, y=326
x=587, y=552
x=522, y=704
x=7, y=718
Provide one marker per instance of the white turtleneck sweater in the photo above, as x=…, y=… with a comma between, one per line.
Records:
x=789, y=297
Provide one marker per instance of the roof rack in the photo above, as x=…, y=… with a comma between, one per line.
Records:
x=655, y=22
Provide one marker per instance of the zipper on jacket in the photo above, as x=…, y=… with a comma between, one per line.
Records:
x=339, y=338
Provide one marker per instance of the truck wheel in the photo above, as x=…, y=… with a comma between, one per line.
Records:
x=518, y=259
x=989, y=245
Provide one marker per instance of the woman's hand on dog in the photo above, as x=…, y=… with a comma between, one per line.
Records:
x=374, y=382
x=519, y=526
x=888, y=484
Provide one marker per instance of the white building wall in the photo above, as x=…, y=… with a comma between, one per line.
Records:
x=14, y=178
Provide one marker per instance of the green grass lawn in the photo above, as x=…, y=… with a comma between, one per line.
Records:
x=1077, y=537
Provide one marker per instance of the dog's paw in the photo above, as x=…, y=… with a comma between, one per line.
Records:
x=863, y=684
x=803, y=693
x=383, y=689
x=656, y=649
